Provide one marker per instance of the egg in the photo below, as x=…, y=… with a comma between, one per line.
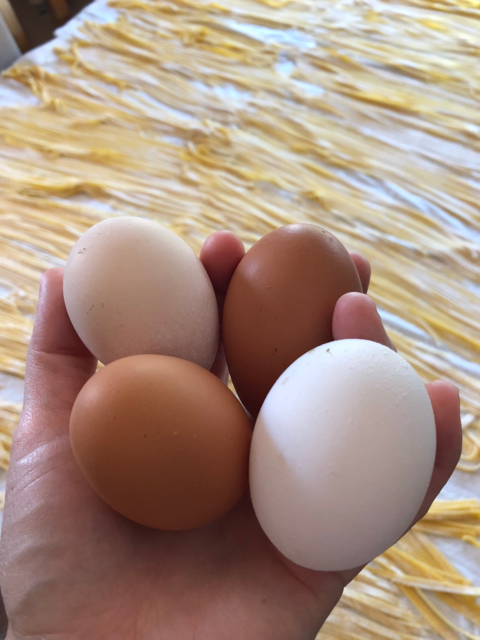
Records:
x=280, y=304
x=342, y=455
x=133, y=287
x=162, y=441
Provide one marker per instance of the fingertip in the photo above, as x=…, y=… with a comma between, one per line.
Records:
x=54, y=273
x=220, y=255
x=53, y=332
x=50, y=278
x=364, y=269
x=446, y=390
x=445, y=399
x=356, y=317
x=447, y=387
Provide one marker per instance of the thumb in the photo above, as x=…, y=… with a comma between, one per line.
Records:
x=58, y=365
x=48, y=507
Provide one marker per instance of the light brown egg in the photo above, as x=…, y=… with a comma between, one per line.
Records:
x=280, y=304
x=162, y=441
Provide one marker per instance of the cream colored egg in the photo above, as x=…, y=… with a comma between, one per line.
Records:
x=133, y=287
x=342, y=455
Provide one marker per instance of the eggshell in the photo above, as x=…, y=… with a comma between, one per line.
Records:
x=132, y=287
x=162, y=441
x=280, y=304
x=342, y=455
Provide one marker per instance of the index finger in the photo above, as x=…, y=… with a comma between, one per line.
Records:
x=220, y=255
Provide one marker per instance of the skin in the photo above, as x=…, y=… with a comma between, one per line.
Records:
x=71, y=568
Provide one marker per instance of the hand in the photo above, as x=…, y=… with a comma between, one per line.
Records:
x=71, y=568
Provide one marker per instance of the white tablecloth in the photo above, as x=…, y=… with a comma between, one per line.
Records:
x=462, y=485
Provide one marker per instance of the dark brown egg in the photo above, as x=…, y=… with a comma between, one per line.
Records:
x=280, y=304
x=162, y=441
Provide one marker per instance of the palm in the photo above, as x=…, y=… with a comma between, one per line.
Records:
x=116, y=579
x=72, y=568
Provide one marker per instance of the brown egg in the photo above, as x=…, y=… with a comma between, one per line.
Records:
x=162, y=441
x=280, y=304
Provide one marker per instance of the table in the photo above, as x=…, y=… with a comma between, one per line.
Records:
x=379, y=111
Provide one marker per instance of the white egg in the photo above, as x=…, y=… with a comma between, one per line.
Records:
x=133, y=287
x=342, y=455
